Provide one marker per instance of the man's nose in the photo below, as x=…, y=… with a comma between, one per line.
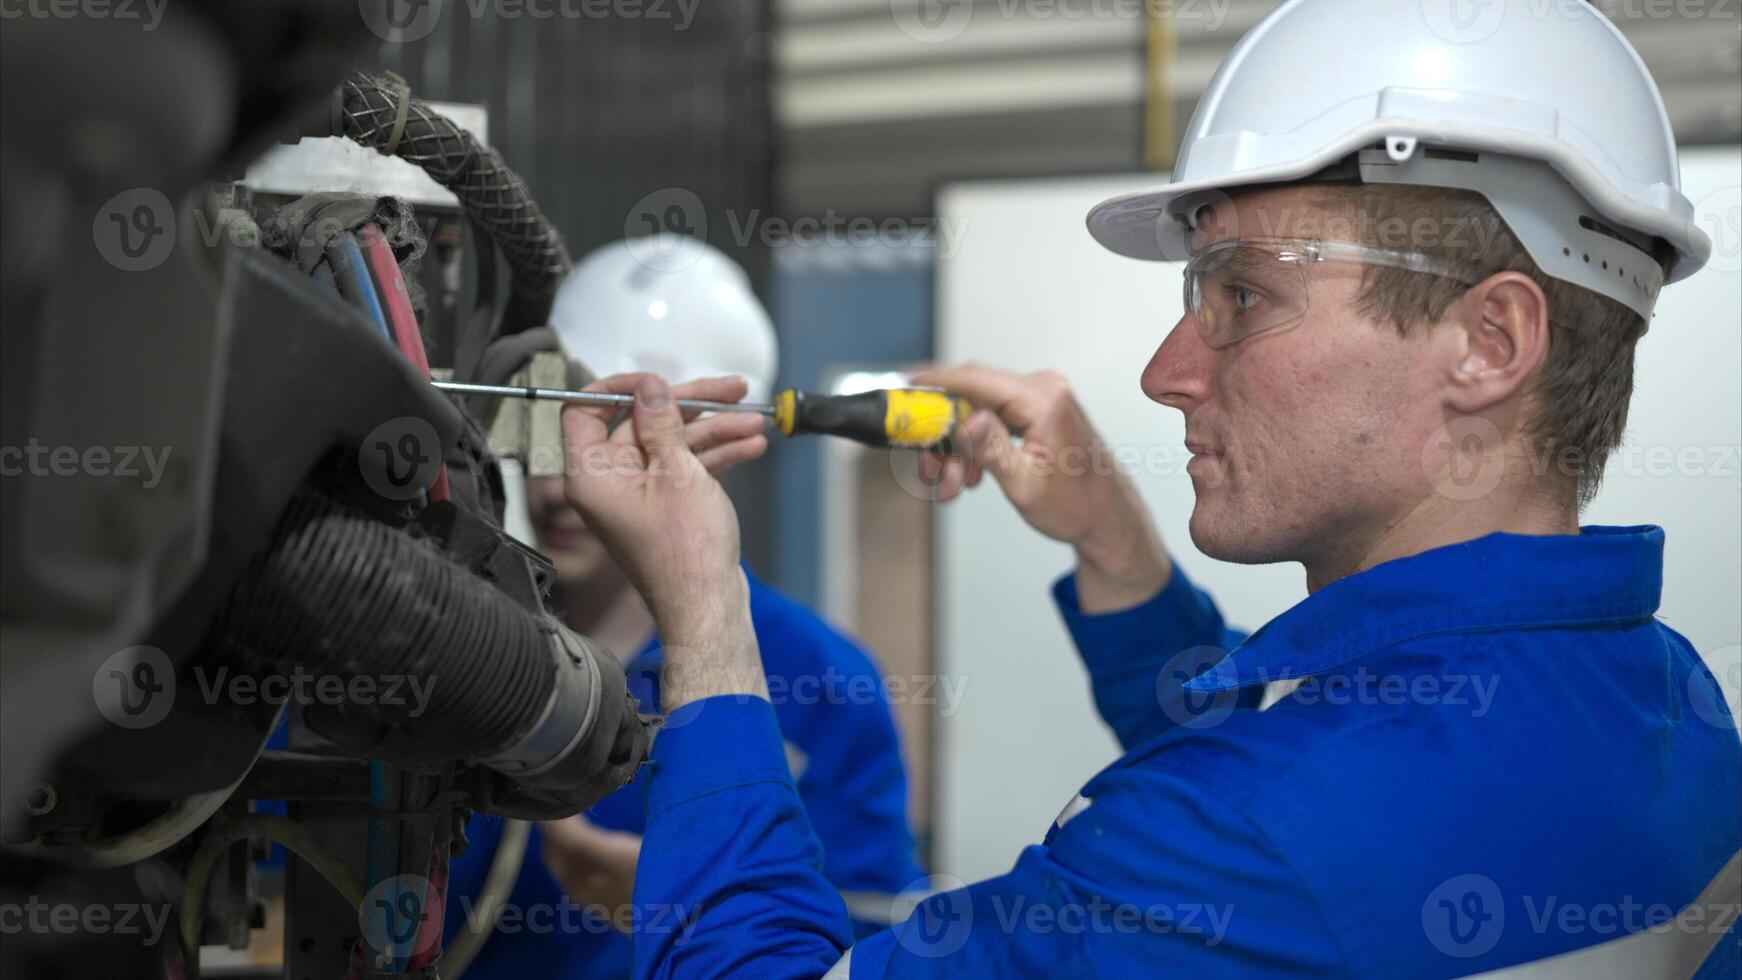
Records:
x=1178, y=374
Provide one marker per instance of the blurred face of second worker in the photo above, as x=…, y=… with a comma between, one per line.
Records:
x=579, y=557
x=667, y=304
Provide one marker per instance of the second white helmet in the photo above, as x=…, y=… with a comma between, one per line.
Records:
x=668, y=304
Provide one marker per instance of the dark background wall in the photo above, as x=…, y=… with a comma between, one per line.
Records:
x=615, y=120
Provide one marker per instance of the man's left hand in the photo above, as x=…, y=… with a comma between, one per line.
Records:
x=671, y=528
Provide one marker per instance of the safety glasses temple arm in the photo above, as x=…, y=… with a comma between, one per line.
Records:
x=1324, y=251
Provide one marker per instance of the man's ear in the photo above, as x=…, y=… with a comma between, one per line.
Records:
x=1501, y=339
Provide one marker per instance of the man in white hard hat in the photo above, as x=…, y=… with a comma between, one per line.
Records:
x=683, y=309
x=1419, y=250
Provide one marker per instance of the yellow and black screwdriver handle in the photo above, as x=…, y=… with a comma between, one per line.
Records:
x=911, y=418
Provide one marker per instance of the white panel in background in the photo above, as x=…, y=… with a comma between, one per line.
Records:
x=1027, y=288
x=337, y=163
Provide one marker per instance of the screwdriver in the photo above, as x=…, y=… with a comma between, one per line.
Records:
x=910, y=418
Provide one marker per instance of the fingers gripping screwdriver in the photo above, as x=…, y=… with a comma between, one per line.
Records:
x=911, y=418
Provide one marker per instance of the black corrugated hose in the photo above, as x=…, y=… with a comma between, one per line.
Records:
x=478, y=677
x=379, y=112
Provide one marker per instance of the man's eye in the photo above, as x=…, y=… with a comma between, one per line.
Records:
x=1244, y=299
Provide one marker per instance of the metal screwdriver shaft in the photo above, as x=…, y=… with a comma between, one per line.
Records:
x=595, y=397
x=908, y=418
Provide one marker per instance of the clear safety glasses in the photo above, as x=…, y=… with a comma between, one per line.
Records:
x=1241, y=287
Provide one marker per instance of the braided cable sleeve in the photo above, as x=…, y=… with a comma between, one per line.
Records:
x=373, y=109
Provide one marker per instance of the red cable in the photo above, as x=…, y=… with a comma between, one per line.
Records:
x=396, y=301
x=429, y=937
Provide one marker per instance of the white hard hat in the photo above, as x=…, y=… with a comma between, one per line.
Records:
x=672, y=305
x=1544, y=109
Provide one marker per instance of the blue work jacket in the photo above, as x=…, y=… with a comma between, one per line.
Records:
x=835, y=729
x=1498, y=755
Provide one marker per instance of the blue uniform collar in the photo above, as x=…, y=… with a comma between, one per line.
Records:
x=1502, y=581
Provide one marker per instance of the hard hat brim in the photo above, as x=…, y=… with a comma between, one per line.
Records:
x=1151, y=224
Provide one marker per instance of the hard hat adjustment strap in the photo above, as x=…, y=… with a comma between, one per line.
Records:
x=1555, y=225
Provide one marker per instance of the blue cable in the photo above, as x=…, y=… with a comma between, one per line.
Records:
x=346, y=260
x=323, y=274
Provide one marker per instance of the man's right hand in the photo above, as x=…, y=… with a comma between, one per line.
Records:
x=1058, y=472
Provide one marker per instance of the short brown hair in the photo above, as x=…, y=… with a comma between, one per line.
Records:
x=1587, y=379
